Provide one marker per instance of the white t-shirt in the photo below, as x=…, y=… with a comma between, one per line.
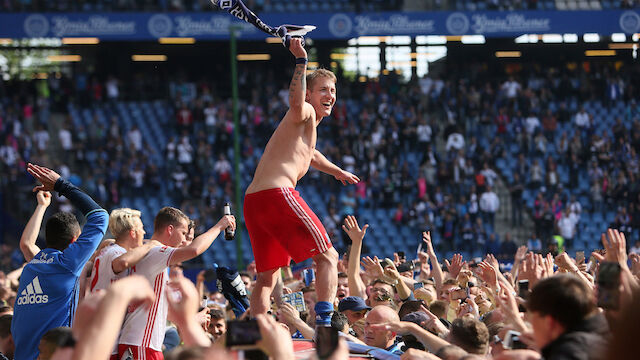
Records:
x=424, y=133
x=102, y=275
x=41, y=138
x=489, y=202
x=511, y=89
x=567, y=227
x=531, y=124
x=65, y=139
x=145, y=326
x=582, y=119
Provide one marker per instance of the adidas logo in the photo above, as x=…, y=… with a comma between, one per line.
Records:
x=33, y=294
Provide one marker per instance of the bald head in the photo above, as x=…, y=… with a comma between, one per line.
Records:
x=380, y=338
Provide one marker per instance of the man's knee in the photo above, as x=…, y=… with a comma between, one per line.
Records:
x=329, y=257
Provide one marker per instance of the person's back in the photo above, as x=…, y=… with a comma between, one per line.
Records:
x=48, y=292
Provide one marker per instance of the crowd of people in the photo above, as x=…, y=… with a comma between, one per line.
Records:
x=390, y=129
x=83, y=297
x=551, y=307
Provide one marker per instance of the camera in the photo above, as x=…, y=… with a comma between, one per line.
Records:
x=242, y=334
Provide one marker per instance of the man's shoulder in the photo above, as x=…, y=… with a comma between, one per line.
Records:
x=307, y=113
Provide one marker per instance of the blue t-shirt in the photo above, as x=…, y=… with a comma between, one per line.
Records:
x=48, y=291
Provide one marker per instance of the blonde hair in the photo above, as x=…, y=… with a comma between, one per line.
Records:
x=122, y=220
x=320, y=73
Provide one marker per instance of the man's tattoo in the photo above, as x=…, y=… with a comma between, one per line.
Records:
x=298, y=75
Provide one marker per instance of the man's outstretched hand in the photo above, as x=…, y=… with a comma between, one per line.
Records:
x=46, y=176
x=347, y=177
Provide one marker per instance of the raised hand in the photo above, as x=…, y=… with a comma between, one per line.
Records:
x=469, y=307
x=520, y=254
x=635, y=264
x=433, y=324
x=288, y=313
x=44, y=198
x=226, y=221
x=493, y=261
x=563, y=261
x=488, y=274
x=372, y=267
x=296, y=47
x=455, y=266
x=616, y=247
x=352, y=229
x=45, y=176
x=346, y=177
x=426, y=237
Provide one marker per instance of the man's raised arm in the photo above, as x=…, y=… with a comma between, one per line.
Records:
x=30, y=234
x=79, y=252
x=298, y=85
x=202, y=242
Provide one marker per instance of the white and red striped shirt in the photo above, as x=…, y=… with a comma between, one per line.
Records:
x=102, y=275
x=144, y=327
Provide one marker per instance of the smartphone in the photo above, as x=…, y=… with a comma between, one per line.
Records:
x=523, y=288
x=460, y=294
x=580, y=257
x=512, y=341
x=326, y=341
x=418, y=285
x=296, y=300
x=609, y=285
x=401, y=255
x=242, y=334
x=384, y=263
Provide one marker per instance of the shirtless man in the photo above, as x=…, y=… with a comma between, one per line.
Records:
x=281, y=225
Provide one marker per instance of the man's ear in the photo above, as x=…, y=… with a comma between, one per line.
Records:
x=169, y=230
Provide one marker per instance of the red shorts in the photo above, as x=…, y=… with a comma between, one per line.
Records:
x=281, y=227
x=136, y=353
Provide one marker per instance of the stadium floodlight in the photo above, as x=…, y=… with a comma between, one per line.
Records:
x=600, y=53
x=81, y=41
x=552, y=38
x=64, y=58
x=370, y=40
x=508, y=54
x=473, y=39
x=398, y=40
x=591, y=38
x=431, y=40
x=622, y=46
x=528, y=39
x=4, y=41
x=181, y=40
x=570, y=38
x=149, y=57
x=253, y=57
x=522, y=39
x=618, y=37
